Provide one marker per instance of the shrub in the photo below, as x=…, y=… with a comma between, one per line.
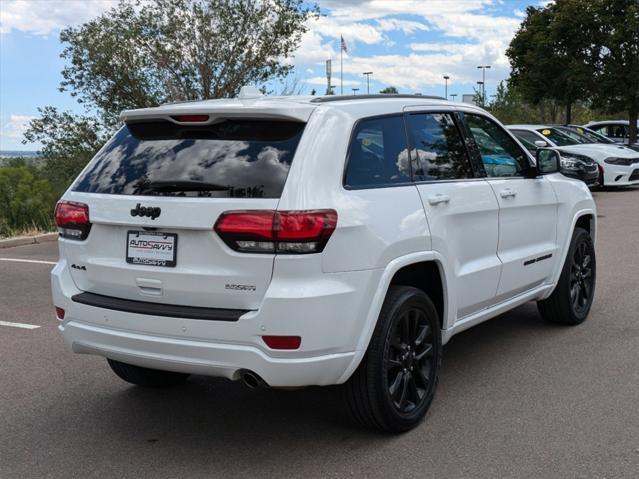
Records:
x=26, y=201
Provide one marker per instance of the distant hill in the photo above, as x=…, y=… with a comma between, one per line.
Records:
x=32, y=157
x=14, y=154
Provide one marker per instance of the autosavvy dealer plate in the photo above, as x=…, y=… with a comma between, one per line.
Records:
x=152, y=248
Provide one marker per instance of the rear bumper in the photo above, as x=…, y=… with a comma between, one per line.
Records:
x=328, y=312
x=202, y=357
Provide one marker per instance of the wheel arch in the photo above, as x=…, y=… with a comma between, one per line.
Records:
x=587, y=221
x=426, y=276
x=584, y=218
x=409, y=270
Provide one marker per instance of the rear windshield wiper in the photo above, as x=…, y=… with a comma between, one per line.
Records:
x=183, y=186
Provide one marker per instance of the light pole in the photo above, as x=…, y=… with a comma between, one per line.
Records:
x=368, y=83
x=355, y=90
x=483, y=79
x=453, y=96
x=481, y=92
x=446, y=78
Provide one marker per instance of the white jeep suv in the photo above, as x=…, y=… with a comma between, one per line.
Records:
x=314, y=241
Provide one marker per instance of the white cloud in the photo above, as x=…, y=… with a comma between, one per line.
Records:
x=406, y=26
x=313, y=50
x=42, y=17
x=357, y=10
x=475, y=26
x=11, y=132
x=16, y=126
x=334, y=80
x=467, y=36
x=352, y=31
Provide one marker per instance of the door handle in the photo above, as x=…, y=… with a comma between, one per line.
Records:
x=507, y=193
x=438, y=198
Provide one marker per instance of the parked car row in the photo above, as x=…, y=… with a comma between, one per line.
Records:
x=585, y=154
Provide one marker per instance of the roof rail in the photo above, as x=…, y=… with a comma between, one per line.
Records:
x=329, y=98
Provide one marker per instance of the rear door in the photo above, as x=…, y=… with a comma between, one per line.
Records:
x=527, y=208
x=154, y=194
x=460, y=207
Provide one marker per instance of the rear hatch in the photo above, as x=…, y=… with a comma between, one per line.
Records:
x=154, y=193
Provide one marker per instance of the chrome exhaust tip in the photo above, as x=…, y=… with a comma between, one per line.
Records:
x=252, y=380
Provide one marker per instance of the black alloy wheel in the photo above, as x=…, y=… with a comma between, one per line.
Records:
x=574, y=293
x=409, y=360
x=581, y=279
x=394, y=385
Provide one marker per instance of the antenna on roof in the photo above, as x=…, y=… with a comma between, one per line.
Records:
x=249, y=92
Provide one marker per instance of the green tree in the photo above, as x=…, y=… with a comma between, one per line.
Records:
x=27, y=201
x=141, y=54
x=389, y=90
x=549, y=55
x=68, y=143
x=574, y=51
x=510, y=107
x=616, y=78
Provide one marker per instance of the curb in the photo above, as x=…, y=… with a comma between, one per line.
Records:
x=24, y=240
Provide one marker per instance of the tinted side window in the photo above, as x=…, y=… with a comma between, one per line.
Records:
x=527, y=138
x=501, y=156
x=378, y=153
x=438, y=150
x=618, y=131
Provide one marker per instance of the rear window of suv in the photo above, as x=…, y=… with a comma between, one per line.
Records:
x=231, y=158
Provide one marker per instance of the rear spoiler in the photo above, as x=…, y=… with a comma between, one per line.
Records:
x=223, y=109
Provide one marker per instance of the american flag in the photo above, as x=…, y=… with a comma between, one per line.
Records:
x=343, y=45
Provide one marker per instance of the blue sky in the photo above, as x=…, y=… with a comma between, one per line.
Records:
x=410, y=44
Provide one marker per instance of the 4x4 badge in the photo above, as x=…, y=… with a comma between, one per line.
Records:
x=150, y=211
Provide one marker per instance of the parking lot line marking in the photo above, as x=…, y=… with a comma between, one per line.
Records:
x=19, y=260
x=19, y=325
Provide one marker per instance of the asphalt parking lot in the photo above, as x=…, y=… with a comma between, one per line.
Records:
x=517, y=397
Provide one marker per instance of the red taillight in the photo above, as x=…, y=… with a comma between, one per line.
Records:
x=72, y=219
x=59, y=312
x=191, y=118
x=257, y=224
x=284, y=232
x=282, y=342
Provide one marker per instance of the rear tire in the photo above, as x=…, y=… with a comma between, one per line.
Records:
x=394, y=385
x=145, y=377
x=572, y=298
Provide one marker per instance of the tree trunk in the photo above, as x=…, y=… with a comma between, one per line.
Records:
x=632, y=131
x=569, y=113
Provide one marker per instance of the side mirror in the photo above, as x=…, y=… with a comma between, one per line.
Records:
x=540, y=143
x=548, y=161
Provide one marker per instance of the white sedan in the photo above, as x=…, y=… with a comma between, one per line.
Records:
x=616, y=130
x=618, y=165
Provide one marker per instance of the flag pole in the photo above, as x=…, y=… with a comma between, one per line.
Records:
x=341, y=68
